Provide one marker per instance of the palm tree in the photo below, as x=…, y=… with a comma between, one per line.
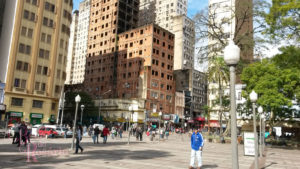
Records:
x=218, y=73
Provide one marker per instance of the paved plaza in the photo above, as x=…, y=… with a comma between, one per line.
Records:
x=173, y=153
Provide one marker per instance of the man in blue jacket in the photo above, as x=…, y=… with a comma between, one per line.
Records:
x=197, y=146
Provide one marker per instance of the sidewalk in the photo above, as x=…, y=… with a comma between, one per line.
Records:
x=117, y=154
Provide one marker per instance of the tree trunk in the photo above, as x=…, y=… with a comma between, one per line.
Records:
x=221, y=106
x=228, y=128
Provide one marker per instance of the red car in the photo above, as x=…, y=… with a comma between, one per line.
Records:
x=47, y=131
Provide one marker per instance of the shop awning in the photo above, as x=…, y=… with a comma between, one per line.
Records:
x=213, y=123
x=200, y=119
x=16, y=114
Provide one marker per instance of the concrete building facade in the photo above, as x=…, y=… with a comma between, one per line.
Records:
x=78, y=69
x=193, y=85
x=71, y=48
x=144, y=69
x=35, y=58
x=184, y=30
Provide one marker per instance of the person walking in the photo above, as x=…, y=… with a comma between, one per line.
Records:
x=139, y=133
x=197, y=146
x=23, y=134
x=16, y=137
x=78, y=139
x=113, y=132
x=120, y=131
x=96, y=134
x=29, y=130
x=104, y=134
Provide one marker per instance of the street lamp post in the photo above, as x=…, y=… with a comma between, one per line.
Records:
x=99, y=113
x=253, y=98
x=260, y=111
x=82, y=107
x=232, y=57
x=77, y=100
x=62, y=108
x=160, y=113
x=131, y=109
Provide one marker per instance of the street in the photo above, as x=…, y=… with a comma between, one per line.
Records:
x=117, y=154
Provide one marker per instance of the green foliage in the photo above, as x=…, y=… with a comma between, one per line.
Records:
x=289, y=58
x=218, y=71
x=225, y=102
x=90, y=111
x=283, y=19
x=275, y=86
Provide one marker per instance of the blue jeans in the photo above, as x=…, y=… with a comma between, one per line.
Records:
x=78, y=146
x=104, y=139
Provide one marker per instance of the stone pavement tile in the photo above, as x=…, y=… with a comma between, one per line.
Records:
x=116, y=154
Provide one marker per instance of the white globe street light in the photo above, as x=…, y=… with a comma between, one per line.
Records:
x=231, y=58
x=77, y=100
x=253, y=98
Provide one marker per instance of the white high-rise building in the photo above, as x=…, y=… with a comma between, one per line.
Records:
x=80, y=44
x=71, y=48
x=184, y=30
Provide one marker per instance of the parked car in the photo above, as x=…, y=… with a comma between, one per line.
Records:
x=46, y=131
x=62, y=131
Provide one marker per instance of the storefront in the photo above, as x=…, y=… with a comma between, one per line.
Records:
x=36, y=118
x=52, y=119
x=15, y=117
x=199, y=122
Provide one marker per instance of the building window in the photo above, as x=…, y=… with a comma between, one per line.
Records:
x=57, y=89
x=16, y=101
x=37, y=86
x=37, y=104
x=53, y=106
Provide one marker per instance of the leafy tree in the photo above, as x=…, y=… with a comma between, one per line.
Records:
x=90, y=111
x=289, y=58
x=275, y=87
x=283, y=19
x=218, y=73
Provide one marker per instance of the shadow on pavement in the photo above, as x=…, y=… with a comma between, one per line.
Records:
x=210, y=166
x=16, y=157
x=269, y=165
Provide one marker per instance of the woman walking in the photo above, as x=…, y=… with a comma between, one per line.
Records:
x=105, y=132
x=78, y=139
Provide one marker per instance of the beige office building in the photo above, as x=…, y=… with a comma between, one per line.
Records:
x=36, y=58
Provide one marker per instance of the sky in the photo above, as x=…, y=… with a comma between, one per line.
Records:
x=193, y=6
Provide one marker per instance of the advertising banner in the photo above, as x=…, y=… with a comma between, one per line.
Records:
x=249, y=144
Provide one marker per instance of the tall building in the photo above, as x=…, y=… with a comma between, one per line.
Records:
x=77, y=68
x=184, y=30
x=193, y=85
x=107, y=19
x=144, y=69
x=172, y=16
x=71, y=48
x=36, y=46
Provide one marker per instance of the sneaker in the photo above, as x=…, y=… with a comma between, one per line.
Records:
x=81, y=150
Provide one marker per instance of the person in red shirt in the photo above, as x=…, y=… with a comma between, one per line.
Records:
x=104, y=134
